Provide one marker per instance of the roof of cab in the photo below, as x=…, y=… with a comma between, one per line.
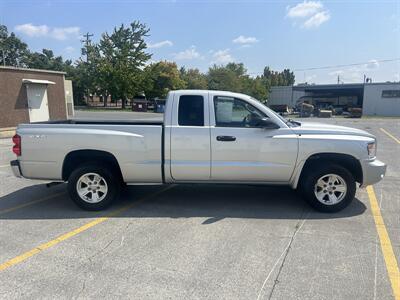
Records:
x=226, y=93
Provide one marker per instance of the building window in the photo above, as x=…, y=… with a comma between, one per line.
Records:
x=391, y=94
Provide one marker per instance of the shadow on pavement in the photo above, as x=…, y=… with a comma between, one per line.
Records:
x=214, y=202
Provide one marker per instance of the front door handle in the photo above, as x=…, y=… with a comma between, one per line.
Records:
x=226, y=138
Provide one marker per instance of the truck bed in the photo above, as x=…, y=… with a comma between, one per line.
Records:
x=135, y=144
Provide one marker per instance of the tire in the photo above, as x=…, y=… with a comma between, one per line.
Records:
x=328, y=188
x=93, y=186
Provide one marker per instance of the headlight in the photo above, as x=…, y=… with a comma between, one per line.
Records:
x=371, y=147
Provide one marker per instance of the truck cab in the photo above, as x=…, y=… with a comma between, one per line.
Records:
x=226, y=137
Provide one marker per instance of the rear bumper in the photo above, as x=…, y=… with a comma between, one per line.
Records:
x=16, y=168
x=373, y=171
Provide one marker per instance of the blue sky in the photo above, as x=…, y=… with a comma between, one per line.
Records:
x=281, y=34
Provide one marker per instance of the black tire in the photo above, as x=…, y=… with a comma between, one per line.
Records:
x=108, y=176
x=309, y=182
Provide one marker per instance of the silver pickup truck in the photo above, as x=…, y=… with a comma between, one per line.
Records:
x=205, y=137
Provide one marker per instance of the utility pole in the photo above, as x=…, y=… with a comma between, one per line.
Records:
x=338, y=79
x=87, y=42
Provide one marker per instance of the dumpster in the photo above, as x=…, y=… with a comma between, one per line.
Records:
x=159, y=106
x=139, y=105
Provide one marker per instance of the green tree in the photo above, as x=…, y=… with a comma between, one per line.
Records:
x=237, y=68
x=122, y=58
x=223, y=78
x=254, y=87
x=275, y=78
x=193, y=79
x=233, y=77
x=46, y=61
x=288, y=77
x=88, y=76
x=160, y=78
x=13, y=52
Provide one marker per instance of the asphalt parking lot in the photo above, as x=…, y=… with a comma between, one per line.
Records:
x=202, y=241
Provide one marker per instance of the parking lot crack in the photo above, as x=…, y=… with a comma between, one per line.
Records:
x=101, y=250
x=282, y=258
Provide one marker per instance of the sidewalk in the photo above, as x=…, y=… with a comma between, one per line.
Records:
x=7, y=132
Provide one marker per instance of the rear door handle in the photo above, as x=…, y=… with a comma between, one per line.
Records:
x=226, y=138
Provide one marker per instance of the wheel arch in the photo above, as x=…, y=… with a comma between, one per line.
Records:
x=78, y=157
x=345, y=160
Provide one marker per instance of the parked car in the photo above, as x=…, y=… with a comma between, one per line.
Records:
x=205, y=137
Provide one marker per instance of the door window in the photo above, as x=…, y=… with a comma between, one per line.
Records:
x=233, y=112
x=191, y=111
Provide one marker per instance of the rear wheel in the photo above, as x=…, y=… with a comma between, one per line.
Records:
x=328, y=188
x=93, y=186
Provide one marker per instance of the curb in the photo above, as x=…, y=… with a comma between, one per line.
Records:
x=6, y=133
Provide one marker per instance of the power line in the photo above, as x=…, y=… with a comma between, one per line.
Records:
x=336, y=66
x=347, y=65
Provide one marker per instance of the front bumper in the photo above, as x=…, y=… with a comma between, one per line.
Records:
x=16, y=168
x=373, y=171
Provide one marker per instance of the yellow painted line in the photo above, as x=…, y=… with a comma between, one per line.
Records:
x=7, y=210
x=391, y=135
x=386, y=245
x=3, y=166
x=20, y=258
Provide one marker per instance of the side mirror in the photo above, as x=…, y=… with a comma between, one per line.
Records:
x=267, y=124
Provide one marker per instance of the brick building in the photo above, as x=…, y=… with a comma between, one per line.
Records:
x=30, y=95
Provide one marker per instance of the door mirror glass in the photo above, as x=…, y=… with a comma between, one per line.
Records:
x=266, y=123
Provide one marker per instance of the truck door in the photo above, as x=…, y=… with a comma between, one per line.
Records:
x=241, y=151
x=190, y=137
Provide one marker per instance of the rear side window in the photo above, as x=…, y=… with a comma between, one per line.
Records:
x=191, y=111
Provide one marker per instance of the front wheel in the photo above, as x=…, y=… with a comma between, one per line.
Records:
x=93, y=186
x=329, y=188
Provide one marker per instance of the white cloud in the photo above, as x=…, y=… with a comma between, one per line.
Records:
x=304, y=9
x=372, y=64
x=311, y=78
x=69, y=49
x=64, y=33
x=356, y=73
x=243, y=40
x=336, y=73
x=317, y=19
x=58, y=33
x=311, y=14
x=31, y=30
x=190, y=53
x=222, y=57
x=160, y=44
x=351, y=75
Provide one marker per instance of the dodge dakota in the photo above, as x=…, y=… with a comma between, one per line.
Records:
x=205, y=137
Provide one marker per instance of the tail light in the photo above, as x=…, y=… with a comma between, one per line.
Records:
x=17, y=145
